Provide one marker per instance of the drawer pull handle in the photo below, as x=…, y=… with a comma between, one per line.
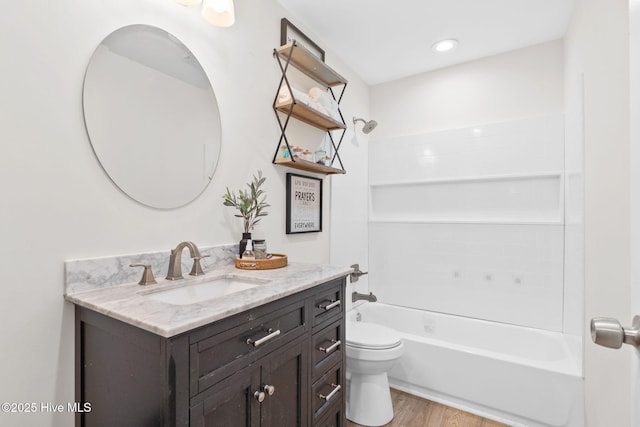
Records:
x=332, y=347
x=259, y=396
x=327, y=307
x=269, y=389
x=336, y=388
x=272, y=334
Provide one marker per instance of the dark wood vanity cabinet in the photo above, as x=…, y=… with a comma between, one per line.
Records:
x=279, y=365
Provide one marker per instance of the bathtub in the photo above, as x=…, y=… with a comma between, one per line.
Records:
x=516, y=375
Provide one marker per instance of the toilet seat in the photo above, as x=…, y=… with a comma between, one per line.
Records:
x=367, y=335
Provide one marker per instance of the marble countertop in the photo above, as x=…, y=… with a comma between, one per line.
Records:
x=130, y=304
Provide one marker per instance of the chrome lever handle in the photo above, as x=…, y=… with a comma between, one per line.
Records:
x=336, y=388
x=355, y=275
x=608, y=332
x=272, y=334
x=196, y=269
x=327, y=307
x=147, y=275
x=335, y=344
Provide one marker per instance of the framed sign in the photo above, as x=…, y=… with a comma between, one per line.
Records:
x=289, y=33
x=304, y=204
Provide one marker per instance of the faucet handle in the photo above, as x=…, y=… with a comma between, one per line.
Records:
x=355, y=275
x=196, y=270
x=147, y=275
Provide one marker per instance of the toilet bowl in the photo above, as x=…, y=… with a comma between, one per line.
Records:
x=371, y=351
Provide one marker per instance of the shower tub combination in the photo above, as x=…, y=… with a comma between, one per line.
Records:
x=517, y=375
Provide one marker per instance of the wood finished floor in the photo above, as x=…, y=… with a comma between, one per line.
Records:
x=412, y=411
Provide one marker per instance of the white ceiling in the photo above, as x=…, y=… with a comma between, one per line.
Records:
x=387, y=40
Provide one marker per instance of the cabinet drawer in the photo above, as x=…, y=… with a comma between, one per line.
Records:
x=333, y=417
x=328, y=303
x=326, y=391
x=217, y=356
x=327, y=348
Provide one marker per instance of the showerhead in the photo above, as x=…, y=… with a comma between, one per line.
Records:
x=368, y=125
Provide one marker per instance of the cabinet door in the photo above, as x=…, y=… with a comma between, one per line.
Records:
x=230, y=403
x=286, y=370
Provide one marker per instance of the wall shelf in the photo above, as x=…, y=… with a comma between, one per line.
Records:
x=310, y=116
x=310, y=65
x=309, y=166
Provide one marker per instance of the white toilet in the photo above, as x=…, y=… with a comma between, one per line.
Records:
x=371, y=351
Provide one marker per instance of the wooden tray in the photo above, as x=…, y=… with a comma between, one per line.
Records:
x=276, y=261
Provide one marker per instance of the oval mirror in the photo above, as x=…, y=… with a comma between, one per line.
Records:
x=151, y=116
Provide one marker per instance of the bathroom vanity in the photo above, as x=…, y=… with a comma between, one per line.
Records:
x=267, y=356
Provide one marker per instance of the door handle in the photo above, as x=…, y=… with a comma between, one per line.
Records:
x=608, y=332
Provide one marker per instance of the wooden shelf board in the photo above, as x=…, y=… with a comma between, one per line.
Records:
x=309, y=166
x=310, y=116
x=310, y=64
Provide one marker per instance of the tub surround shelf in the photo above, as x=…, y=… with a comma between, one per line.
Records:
x=526, y=198
x=475, y=221
x=479, y=178
x=310, y=65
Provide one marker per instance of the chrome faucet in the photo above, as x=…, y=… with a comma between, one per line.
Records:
x=357, y=297
x=175, y=261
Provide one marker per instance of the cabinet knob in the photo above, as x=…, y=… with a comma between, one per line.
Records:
x=259, y=396
x=269, y=389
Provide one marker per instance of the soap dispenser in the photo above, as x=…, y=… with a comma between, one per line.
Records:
x=248, y=252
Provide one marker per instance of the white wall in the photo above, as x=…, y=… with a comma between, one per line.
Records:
x=522, y=83
x=597, y=53
x=58, y=203
x=349, y=197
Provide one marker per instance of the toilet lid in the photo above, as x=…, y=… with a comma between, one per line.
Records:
x=370, y=335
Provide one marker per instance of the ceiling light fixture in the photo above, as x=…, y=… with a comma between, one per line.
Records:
x=444, y=45
x=217, y=12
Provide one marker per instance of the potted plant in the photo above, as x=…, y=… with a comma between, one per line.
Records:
x=251, y=204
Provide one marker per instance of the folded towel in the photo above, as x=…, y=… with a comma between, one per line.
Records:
x=329, y=105
x=284, y=96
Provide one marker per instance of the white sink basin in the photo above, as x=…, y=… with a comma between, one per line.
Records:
x=203, y=291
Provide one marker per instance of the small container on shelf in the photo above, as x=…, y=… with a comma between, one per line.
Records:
x=284, y=153
x=297, y=152
x=319, y=156
x=306, y=155
x=260, y=249
x=327, y=160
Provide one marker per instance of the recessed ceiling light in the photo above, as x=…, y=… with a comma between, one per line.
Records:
x=444, y=45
